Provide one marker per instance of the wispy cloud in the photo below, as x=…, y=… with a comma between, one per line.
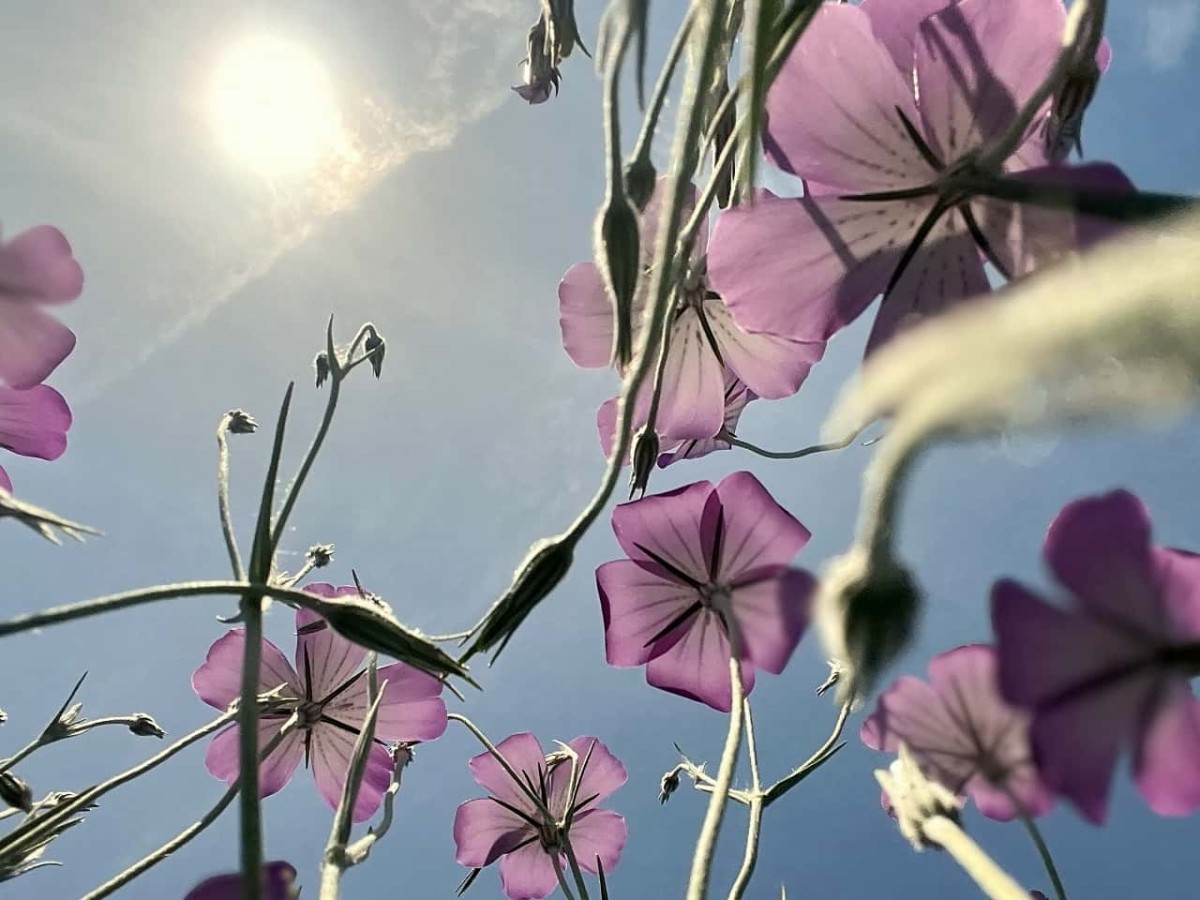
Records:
x=1171, y=27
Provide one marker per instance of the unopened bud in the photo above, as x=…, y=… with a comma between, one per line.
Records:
x=640, y=180
x=65, y=725
x=619, y=256
x=644, y=456
x=544, y=566
x=144, y=725
x=375, y=348
x=320, y=555
x=240, y=422
x=668, y=786
x=15, y=792
x=321, y=363
x=402, y=756
x=868, y=612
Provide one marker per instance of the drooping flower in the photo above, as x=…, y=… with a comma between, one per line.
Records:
x=703, y=560
x=963, y=732
x=1112, y=669
x=36, y=269
x=737, y=396
x=704, y=340
x=329, y=689
x=523, y=824
x=886, y=110
x=33, y=422
x=279, y=883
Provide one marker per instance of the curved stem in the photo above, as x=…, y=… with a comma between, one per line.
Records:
x=562, y=878
x=806, y=768
x=231, y=546
x=702, y=860
x=310, y=457
x=499, y=757
x=754, y=826
x=791, y=454
x=1039, y=843
x=6, y=764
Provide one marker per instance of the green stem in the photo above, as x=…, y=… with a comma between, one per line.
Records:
x=1035, y=835
x=806, y=768
x=707, y=843
x=659, y=98
x=754, y=826
x=25, y=751
x=231, y=546
x=249, y=806
x=499, y=757
x=790, y=454
x=562, y=878
x=575, y=870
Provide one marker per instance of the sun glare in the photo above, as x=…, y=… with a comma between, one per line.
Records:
x=274, y=108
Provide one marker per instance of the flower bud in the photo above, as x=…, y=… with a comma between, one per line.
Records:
x=915, y=798
x=65, y=723
x=619, y=256
x=240, y=422
x=668, y=785
x=640, y=179
x=319, y=555
x=540, y=70
x=321, y=363
x=867, y=611
x=644, y=456
x=375, y=346
x=543, y=568
x=15, y=792
x=144, y=725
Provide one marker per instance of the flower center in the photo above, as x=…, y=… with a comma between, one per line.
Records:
x=310, y=713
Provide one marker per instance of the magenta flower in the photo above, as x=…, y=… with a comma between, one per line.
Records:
x=1112, y=669
x=331, y=694
x=279, y=883
x=704, y=341
x=702, y=559
x=884, y=110
x=512, y=824
x=963, y=732
x=33, y=422
x=737, y=396
x=36, y=269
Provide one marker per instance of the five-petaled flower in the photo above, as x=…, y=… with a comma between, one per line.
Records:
x=36, y=269
x=704, y=341
x=888, y=113
x=329, y=690
x=963, y=732
x=33, y=422
x=705, y=561
x=1113, y=669
x=526, y=823
x=278, y=883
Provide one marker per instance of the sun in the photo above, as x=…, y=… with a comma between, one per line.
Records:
x=274, y=107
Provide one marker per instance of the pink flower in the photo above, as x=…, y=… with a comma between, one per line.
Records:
x=959, y=727
x=883, y=109
x=36, y=269
x=279, y=883
x=33, y=422
x=331, y=694
x=704, y=341
x=737, y=396
x=1112, y=669
x=510, y=826
x=700, y=559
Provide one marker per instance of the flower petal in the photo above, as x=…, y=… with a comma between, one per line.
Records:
x=944, y=272
x=771, y=366
x=599, y=833
x=668, y=526
x=1167, y=765
x=411, y=710
x=586, y=316
x=34, y=422
x=606, y=420
x=692, y=404
x=218, y=682
x=637, y=604
x=278, y=883
x=697, y=665
x=977, y=62
x=222, y=759
x=325, y=660
x=332, y=748
x=737, y=396
x=601, y=777
x=756, y=530
x=806, y=267
x=528, y=873
x=37, y=267
x=524, y=754
x=484, y=831
x=894, y=24
x=832, y=111
x=5, y=481
x=1178, y=576
x=32, y=344
x=772, y=611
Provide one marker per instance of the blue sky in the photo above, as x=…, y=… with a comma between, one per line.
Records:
x=208, y=289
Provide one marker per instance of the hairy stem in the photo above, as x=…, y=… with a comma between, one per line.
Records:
x=992, y=880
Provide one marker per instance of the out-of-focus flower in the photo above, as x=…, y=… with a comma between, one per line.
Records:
x=912, y=798
x=960, y=728
x=512, y=824
x=1113, y=669
x=886, y=209
x=33, y=422
x=329, y=689
x=702, y=561
x=36, y=269
x=704, y=341
x=279, y=883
